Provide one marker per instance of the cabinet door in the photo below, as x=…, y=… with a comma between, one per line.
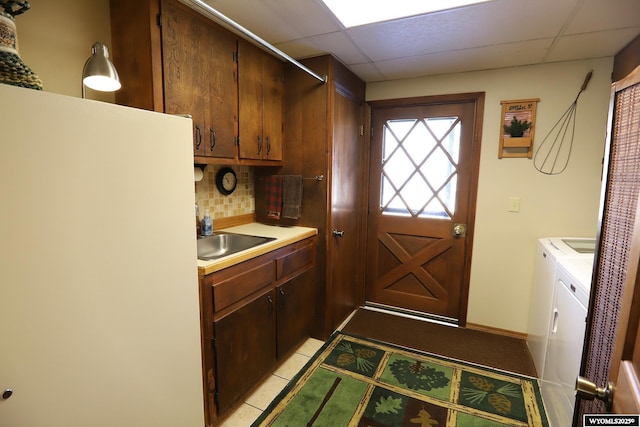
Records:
x=139, y=64
x=184, y=38
x=245, y=348
x=273, y=88
x=222, y=93
x=260, y=89
x=346, y=182
x=251, y=106
x=295, y=311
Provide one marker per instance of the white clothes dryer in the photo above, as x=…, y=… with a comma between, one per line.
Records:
x=566, y=339
x=548, y=251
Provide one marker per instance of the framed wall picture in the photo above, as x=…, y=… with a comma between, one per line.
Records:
x=517, y=127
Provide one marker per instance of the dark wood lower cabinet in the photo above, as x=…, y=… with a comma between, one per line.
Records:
x=294, y=314
x=245, y=347
x=254, y=314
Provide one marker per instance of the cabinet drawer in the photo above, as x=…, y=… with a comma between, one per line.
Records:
x=296, y=260
x=235, y=288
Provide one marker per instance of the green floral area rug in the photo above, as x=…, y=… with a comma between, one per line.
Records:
x=357, y=382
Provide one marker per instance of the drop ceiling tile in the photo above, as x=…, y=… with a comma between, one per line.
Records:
x=278, y=20
x=367, y=72
x=490, y=57
x=337, y=43
x=602, y=15
x=484, y=25
x=591, y=45
x=300, y=49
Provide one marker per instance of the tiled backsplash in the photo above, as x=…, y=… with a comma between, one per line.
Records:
x=240, y=202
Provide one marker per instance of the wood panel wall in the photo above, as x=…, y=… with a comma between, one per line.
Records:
x=308, y=149
x=626, y=60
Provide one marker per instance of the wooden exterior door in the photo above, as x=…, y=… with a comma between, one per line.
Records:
x=423, y=184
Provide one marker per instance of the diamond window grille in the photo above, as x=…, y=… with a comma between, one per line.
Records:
x=420, y=167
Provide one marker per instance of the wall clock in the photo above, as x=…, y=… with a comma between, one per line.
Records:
x=226, y=181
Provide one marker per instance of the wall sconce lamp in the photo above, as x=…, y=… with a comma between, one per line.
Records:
x=99, y=73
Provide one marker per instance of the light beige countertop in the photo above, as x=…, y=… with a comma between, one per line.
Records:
x=284, y=235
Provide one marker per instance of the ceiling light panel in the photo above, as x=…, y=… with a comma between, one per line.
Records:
x=352, y=13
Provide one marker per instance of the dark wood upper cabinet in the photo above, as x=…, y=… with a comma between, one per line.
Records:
x=261, y=91
x=200, y=78
x=184, y=63
x=222, y=94
x=139, y=63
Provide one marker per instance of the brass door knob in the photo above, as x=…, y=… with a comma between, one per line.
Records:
x=588, y=390
x=459, y=230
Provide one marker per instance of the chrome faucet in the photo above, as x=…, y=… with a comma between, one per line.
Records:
x=197, y=220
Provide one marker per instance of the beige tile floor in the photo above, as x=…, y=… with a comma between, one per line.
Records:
x=269, y=389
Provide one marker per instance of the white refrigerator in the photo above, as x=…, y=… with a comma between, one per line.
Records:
x=99, y=314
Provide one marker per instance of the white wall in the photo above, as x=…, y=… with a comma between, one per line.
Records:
x=55, y=39
x=562, y=205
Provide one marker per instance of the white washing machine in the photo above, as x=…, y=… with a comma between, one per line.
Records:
x=566, y=338
x=549, y=250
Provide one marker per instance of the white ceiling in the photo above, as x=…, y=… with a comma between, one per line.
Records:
x=496, y=34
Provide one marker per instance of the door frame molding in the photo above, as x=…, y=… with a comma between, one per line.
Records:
x=477, y=99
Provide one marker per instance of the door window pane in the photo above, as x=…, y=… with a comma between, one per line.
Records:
x=419, y=167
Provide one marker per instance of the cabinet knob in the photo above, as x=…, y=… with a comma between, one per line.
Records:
x=7, y=394
x=270, y=306
x=259, y=144
x=337, y=233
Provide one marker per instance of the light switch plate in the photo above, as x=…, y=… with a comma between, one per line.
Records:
x=514, y=204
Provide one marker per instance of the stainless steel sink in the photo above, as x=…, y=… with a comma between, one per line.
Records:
x=222, y=244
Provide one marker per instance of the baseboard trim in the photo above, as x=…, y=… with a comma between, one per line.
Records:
x=345, y=321
x=497, y=331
